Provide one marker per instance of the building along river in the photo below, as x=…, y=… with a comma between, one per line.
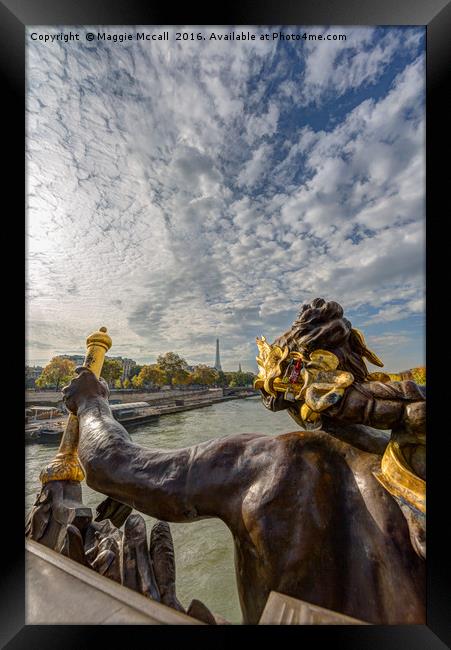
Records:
x=204, y=549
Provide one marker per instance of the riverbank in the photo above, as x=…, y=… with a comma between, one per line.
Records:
x=156, y=398
x=132, y=413
x=180, y=406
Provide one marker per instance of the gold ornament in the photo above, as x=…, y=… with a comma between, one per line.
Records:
x=398, y=478
x=319, y=386
x=66, y=464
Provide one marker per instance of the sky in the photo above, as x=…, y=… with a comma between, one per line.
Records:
x=187, y=190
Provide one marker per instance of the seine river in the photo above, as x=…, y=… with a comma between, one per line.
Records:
x=204, y=549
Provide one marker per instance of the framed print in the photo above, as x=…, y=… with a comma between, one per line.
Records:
x=234, y=209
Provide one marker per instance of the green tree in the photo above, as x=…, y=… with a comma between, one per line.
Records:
x=111, y=371
x=127, y=383
x=248, y=378
x=228, y=377
x=134, y=371
x=222, y=379
x=204, y=375
x=30, y=375
x=240, y=378
x=234, y=379
x=58, y=372
x=173, y=367
x=118, y=384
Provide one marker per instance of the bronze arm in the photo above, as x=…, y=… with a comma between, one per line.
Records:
x=180, y=485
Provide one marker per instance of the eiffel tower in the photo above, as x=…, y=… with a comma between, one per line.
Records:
x=217, y=361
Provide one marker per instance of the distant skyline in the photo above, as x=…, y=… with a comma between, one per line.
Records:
x=180, y=192
x=45, y=360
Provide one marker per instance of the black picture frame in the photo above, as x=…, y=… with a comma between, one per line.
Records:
x=15, y=15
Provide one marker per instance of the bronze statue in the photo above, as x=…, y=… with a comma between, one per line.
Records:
x=314, y=513
x=316, y=370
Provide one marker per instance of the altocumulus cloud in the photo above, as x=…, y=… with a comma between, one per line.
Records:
x=183, y=191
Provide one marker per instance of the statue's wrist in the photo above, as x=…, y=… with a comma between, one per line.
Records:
x=90, y=403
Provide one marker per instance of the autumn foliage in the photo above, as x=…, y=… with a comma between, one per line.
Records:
x=418, y=375
x=58, y=372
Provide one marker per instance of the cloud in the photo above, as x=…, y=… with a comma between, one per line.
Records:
x=390, y=339
x=255, y=167
x=333, y=67
x=397, y=312
x=176, y=193
x=259, y=126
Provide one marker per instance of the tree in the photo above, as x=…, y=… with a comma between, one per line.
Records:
x=149, y=375
x=127, y=383
x=248, y=378
x=31, y=374
x=222, y=379
x=419, y=375
x=134, y=371
x=111, y=371
x=118, y=384
x=181, y=378
x=228, y=377
x=58, y=372
x=172, y=365
x=204, y=375
x=240, y=378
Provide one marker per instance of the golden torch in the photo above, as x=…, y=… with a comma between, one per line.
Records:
x=66, y=465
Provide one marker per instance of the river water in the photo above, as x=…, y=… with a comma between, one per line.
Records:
x=203, y=550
